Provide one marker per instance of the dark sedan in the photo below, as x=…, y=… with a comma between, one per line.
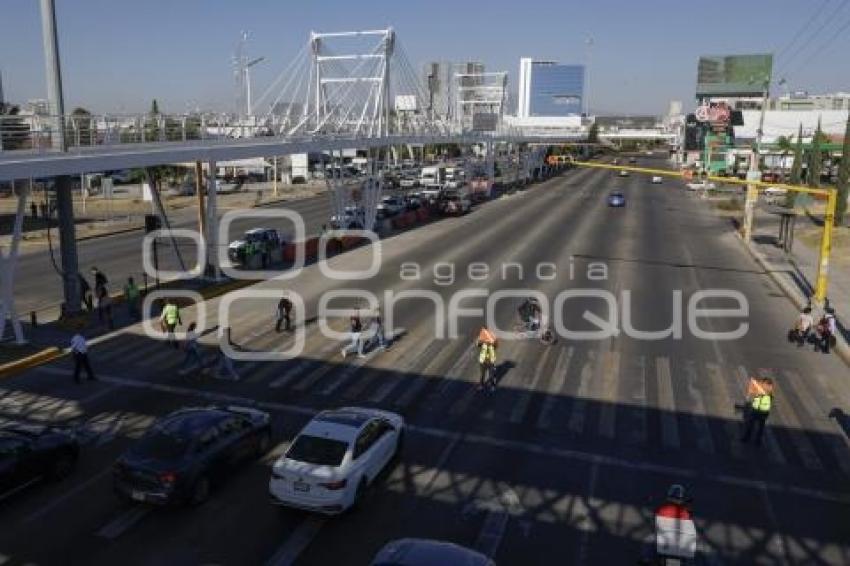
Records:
x=187, y=452
x=29, y=453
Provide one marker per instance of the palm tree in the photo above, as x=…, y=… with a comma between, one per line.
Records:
x=784, y=145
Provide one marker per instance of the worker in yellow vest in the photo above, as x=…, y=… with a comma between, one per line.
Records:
x=486, y=345
x=757, y=411
x=169, y=319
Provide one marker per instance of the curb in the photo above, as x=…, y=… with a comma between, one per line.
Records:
x=793, y=294
x=39, y=358
x=108, y=234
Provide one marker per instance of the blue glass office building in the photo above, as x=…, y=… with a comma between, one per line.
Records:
x=551, y=89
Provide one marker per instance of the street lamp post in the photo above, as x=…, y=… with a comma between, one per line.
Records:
x=754, y=174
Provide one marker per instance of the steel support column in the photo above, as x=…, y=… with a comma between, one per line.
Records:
x=212, y=223
x=67, y=245
x=8, y=265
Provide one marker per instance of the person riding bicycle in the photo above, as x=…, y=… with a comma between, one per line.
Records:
x=529, y=313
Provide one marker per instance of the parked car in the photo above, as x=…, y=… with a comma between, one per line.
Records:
x=30, y=453
x=334, y=459
x=425, y=552
x=262, y=236
x=454, y=203
x=775, y=195
x=616, y=200
x=184, y=454
x=352, y=218
x=393, y=205
x=409, y=181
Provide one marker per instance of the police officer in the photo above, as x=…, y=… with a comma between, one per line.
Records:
x=284, y=309
x=757, y=413
x=169, y=319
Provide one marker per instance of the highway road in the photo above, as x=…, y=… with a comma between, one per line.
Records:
x=562, y=464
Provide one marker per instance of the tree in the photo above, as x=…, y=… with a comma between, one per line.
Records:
x=14, y=131
x=151, y=127
x=784, y=145
x=843, y=177
x=816, y=158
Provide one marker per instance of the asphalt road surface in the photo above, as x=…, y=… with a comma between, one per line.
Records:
x=562, y=464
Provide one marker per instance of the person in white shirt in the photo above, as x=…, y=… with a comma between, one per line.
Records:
x=79, y=349
x=804, y=326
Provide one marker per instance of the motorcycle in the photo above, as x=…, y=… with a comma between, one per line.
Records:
x=541, y=331
x=675, y=540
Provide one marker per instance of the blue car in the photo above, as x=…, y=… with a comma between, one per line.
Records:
x=616, y=200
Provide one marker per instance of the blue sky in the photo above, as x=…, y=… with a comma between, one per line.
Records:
x=119, y=54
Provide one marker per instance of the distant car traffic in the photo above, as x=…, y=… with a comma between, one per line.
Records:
x=393, y=205
x=616, y=200
x=352, y=218
x=29, y=453
x=623, y=173
x=632, y=159
x=453, y=203
x=261, y=236
x=424, y=552
x=656, y=179
x=187, y=452
x=334, y=458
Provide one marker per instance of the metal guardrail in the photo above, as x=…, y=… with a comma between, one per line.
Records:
x=39, y=133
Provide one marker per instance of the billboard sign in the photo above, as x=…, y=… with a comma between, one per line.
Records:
x=733, y=75
x=405, y=103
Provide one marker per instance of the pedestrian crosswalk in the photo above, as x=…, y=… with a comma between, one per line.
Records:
x=662, y=402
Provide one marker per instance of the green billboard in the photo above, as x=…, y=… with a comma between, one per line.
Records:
x=733, y=75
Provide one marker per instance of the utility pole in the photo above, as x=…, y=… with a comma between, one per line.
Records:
x=754, y=174
x=64, y=198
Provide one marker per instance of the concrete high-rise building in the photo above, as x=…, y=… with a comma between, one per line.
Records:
x=437, y=79
x=547, y=88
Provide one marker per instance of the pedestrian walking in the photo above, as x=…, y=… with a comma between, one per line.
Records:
x=284, y=309
x=169, y=319
x=192, y=359
x=224, y=367
x=104, y=307
x=132, y=298
x=80, y=351
x=356, y=333
x=100, y=280
x=85, y=292
x=757, y=409
x=378, y=324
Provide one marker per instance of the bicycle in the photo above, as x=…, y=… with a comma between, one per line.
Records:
x=543, y=332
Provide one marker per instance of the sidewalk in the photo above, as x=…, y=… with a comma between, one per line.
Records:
x=798, y=269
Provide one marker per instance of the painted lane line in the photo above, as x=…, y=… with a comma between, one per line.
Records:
x=698, y=414
x=297, y=542
x=576, y=423
x=454, y=437
x=582, y=510
x=66, y=496
x=637, y=432
x=123, y=522
x=521, y=405
x=667, y=408
x=610, y=374
x=557, y=384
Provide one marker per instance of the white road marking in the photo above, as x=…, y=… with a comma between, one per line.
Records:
x=297, y=542
x=521, y=405
x=123, y=522
x=555, y=387
x=586, y=524
x=66, y=495
x=698, y=413
x=576, y=423
x=726, y=409
x=610, y=369
x=454, y=437
x=666, y=406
